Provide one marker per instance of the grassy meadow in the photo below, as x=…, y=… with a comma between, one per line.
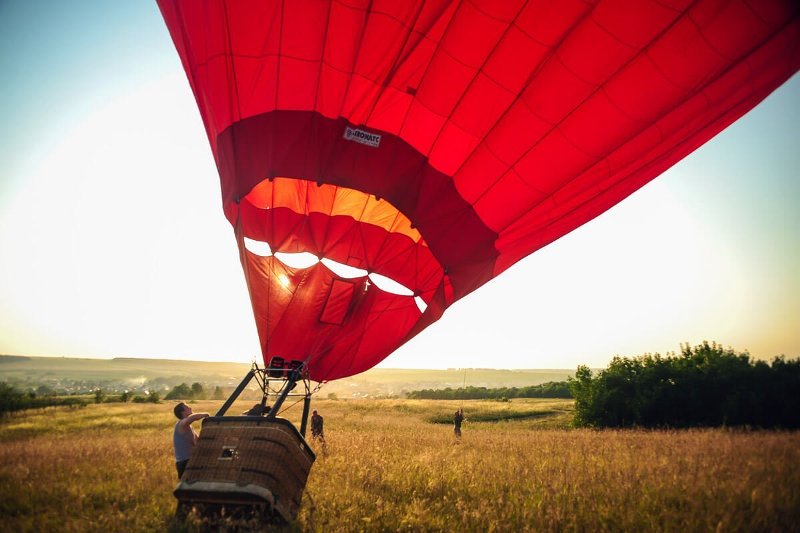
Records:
x=392, y=465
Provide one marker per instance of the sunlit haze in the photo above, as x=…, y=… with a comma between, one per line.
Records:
x=113, y=241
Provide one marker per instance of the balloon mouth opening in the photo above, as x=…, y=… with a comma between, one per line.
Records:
x=302, y=260
x=363, y=225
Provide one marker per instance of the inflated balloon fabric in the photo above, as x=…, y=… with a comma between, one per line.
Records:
x=437, y=143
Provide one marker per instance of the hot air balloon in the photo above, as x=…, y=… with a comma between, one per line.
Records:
x=381, y=159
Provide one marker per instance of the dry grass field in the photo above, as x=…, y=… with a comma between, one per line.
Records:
x=388, y=466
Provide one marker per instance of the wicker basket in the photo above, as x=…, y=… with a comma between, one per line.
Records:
x=245, y=460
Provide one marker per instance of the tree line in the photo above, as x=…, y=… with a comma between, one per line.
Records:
x=705, y=385
x=196, y=392
x=551, y=389
x=13, y=399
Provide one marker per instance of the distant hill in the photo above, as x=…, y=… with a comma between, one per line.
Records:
x=79, y=375
x=74, y=374
x=12, y=358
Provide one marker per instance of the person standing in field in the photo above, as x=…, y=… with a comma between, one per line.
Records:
x=257, y=410
x=184, y=437
x=458, y=417
x=316, y=427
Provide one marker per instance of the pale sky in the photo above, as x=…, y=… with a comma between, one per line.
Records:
x=113, y=242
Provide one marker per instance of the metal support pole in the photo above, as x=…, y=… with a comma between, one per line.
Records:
x=291, y=381
x=236, y=393
x=264, y=397
x=306, y=408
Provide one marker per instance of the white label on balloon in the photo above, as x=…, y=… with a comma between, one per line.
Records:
x=361, y=136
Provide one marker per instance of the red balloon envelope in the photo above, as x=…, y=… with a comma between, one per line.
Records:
x=430, y=145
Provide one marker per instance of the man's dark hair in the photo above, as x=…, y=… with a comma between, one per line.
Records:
x=179, y=410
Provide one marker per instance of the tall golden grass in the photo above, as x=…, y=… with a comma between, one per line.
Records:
x=386, y=467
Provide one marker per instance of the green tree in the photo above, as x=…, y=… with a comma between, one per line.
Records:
x=44, y=390
x=706, y=385
x=179, y=392
x=582, y=387
x=99, y=396
x=198, y=393
x=10, y=399
x=219, y=393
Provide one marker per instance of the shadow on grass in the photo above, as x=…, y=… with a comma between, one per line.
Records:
x=497, y=416
x=208, y=518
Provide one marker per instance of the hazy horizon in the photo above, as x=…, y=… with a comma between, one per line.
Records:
x=204, y=361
